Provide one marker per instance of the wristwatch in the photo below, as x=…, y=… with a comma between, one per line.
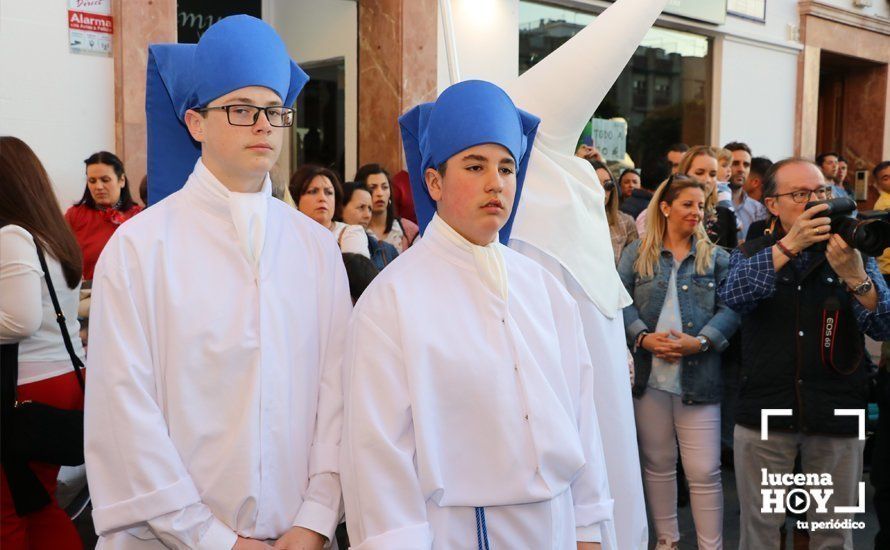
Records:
x=862, y=288
x=705, y=343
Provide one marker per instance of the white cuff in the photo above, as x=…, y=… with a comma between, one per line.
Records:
x=146, y=506
x=416, y=537
x=589, y=533
x=318, y=518
x=217, y=537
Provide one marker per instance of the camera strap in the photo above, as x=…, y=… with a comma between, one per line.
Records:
x=830, y=319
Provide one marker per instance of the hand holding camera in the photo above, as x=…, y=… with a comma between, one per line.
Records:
x=811, y=227
x=845, y=261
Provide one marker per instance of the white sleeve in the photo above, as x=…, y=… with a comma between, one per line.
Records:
x=134, y=471
x=385, y=506
x=21, y=302
x=590, y=490
x=192, y=528
x=354, y=239
x=321, y=510
x=565, y=88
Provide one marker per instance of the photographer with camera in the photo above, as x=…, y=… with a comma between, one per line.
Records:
x=806, y=296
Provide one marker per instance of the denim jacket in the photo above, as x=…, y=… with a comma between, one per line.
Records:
x=701, y=311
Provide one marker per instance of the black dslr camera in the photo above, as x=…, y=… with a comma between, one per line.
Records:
x=869, y=233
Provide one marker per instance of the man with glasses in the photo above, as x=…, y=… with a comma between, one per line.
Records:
x=213, y=408
x=806, y=298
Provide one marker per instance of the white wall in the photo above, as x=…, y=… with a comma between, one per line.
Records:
x=59, y=103
x=487, y=41
x=757, y=82
x=758, y=97
x=315, y=30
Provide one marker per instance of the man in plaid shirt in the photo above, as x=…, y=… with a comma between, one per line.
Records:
x=806, y=298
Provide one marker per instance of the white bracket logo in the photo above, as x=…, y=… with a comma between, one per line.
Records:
x=765, y=414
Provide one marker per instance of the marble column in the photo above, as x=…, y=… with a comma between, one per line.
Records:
x=397, y=70
x=137, y=23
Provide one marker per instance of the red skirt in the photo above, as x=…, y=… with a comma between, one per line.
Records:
x=50, y=526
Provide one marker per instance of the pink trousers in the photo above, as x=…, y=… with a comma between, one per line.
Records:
x=662, y=421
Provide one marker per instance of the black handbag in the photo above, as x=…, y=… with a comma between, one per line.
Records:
x=36, y=431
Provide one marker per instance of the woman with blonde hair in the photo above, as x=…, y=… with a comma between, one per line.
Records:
x=677, y=328
x=622, y=229
x=701, y=163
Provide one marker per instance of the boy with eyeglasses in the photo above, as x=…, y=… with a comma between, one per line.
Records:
x=212, y=411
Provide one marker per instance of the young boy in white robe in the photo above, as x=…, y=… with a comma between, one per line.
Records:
x=562, y=225
x=213, y=402
x=473, y=427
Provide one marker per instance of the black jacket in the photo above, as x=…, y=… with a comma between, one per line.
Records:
x=636, y=202
x=802, y=349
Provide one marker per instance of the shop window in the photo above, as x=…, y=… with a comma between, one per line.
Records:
x=321, y=110
x=194, y=17
x=662, y=94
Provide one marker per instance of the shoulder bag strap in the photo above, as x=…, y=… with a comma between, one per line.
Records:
x=60, y=317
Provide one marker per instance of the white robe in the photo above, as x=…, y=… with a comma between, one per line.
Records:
x=456, y=399
x=561, y=223
x=213, y=401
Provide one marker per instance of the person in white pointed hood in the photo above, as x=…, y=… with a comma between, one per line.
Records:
x=469, y=422
x=562, y=225
x=213, y=404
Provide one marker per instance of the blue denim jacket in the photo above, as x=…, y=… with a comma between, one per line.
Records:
x=701, y=311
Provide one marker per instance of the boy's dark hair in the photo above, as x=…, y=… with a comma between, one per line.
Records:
x=738, y=146
x=360, y=271
x=880, y=167
x=681, y=147
x=759, y=166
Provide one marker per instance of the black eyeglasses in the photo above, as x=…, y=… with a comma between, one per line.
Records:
x=801, y=197
x=247, y=115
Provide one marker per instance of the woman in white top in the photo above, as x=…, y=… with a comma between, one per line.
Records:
x=319, y=194
x=29, y=212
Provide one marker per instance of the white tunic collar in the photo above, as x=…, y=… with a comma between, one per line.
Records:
x=247, y=211
x=488, y=260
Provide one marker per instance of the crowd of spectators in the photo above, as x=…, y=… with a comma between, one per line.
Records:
x=803, y=298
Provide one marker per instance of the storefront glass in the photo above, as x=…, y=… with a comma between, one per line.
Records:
x=663, y=93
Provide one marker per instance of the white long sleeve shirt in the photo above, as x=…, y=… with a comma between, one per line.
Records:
x=27, y=315
x=213, y=404
x=475, y=396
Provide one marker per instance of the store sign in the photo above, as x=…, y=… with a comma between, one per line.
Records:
x=610, y=137
x=709, y=11
x=194, y=17
x=90, y=26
